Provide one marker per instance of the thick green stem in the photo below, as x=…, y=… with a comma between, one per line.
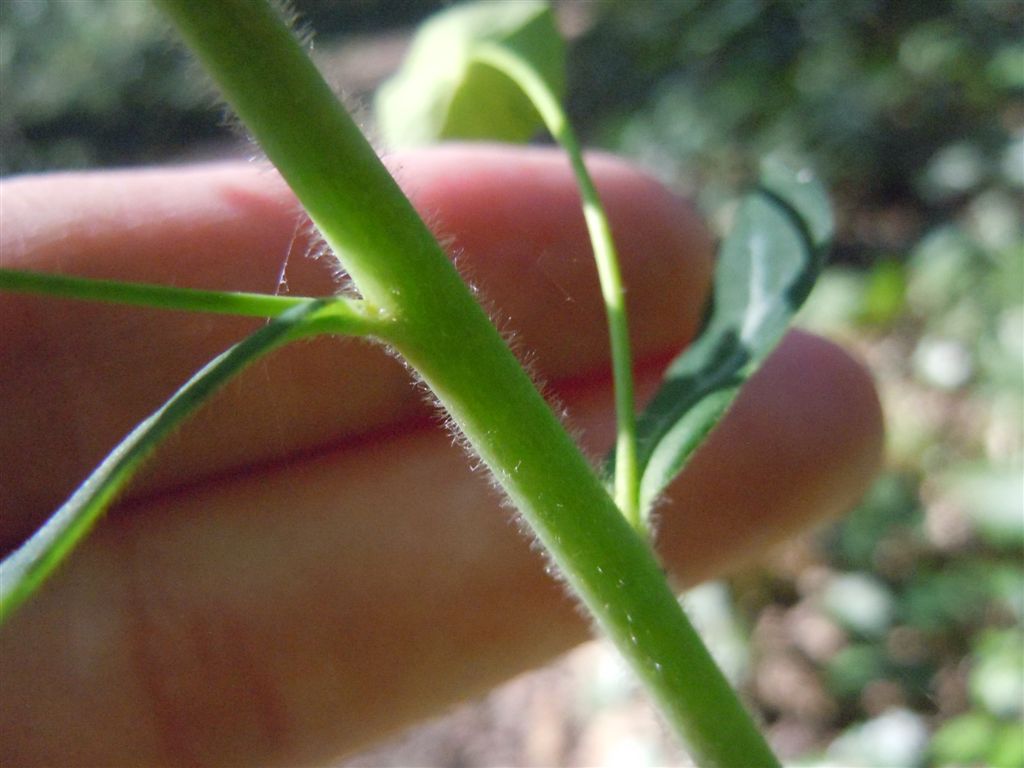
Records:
x=448, y=339
x=627, y=478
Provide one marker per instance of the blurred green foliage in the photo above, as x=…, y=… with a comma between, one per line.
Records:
x=93, y=83
x=913, y=112
x=908, y=103
x=89, y=83
x=927, y=575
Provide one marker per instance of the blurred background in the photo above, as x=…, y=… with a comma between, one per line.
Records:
x=890, y=638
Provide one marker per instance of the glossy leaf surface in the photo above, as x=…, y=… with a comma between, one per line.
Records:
x=766, y=268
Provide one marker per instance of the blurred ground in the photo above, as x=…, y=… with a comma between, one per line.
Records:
x=892, y=638
x=584, y=710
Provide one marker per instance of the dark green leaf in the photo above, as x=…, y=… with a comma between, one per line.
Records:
x=444, y=92
x=766, y=268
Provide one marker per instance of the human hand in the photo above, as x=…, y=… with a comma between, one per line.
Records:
x=310, y=563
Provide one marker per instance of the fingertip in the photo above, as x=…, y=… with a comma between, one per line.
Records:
x=801, y=444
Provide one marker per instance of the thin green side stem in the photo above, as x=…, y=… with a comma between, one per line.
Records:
x=547, y=104
x=445, y=335
x=146, y=295
x=338, y=314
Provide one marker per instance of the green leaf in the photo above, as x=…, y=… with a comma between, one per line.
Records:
x=24, y=571
x=997, y=678
x=1007, y=747
x=964, y=740
x=852, y=668
x=766, y=268
x=445, y=91
x=992, y=498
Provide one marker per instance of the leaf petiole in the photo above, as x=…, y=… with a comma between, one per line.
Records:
x=548, y=105
x=338, y=314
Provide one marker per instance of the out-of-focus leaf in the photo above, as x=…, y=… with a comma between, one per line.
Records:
x=964, y=740
x=837, y=303
x=885, y=294
x=993, y=498
x=997, y=679
x=766, y=268
x=1006, y=582
x=954, y=170
x=889, y=511
x=861, y=603
x=1006, y=67
x=1008, y=747
x=936, y=598
x=854, y=667
x=940, y=267
x=443, y=91
x=897, y=737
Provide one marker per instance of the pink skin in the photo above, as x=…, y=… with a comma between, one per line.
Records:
x=310, y=564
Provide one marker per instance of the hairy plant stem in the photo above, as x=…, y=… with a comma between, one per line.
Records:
x=547, y=104
x=443, y=333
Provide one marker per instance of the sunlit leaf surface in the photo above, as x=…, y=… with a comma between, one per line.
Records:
x=443, y=91
x=766, y=268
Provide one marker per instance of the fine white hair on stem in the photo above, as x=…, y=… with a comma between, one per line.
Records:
x=281, y=284
x=316, y=248
x=292, y=19
x=504, y=323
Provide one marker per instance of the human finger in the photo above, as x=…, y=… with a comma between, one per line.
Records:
x=75, y=377
x=290, y=615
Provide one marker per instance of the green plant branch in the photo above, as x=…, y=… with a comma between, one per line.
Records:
x=548, y=105
x=434, y=322
x=184, y=299
x=24, y=571
x=443, y=333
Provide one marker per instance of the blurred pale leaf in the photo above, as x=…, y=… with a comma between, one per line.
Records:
x=444, y=92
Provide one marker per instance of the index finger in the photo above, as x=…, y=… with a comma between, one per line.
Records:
x=91, y=372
